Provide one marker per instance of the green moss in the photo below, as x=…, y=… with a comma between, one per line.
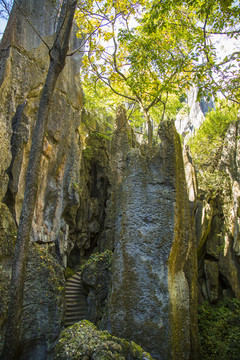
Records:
x=84, y=340
x=206, y=147
x=182, y=262
x=69, y=272
x=45, y=266
x=219, y=330
x=8, y=231
x=104, y=257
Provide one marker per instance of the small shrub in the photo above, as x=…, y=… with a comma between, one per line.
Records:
x=105, y=257
x=69, y=272
x=206, y=146
x=219, y=330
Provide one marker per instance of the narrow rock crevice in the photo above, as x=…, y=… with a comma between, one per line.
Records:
x=76, y=301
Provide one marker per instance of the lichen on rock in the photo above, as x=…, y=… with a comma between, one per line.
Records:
x=43, y=305
x=8, y=232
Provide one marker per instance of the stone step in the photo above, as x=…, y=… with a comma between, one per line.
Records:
x=73, y=307
x=70, y=286
x=72, y=291
x=76, y=313
x=76, y=304
x=74, y=281
x=70, y=304
x=75, y=276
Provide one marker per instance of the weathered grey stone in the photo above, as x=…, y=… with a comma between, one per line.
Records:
x=25, y=64
x=24, y=60
x=228, y=265
x=190, y=174
x=7, y=239
x=93, y=193
x=214, y=238
x=212, y=279
x=217, y=225
x=120, y=146
x=193, y=113
x=96, y=283
x=43, y=307
x=153, y=295
x=203, y=218
x=230, y=163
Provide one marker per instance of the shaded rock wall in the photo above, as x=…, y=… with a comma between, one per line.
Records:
x=217, y=225
x=43, y=307
x=92, y=187
x=153, y=295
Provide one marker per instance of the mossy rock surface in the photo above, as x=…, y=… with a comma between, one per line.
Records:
x=83, y=341
x=8, y=231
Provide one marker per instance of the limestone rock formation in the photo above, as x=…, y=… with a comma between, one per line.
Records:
x=7, y=238
x=24, y=62
x=229, y=258
x=95, y=283
x=193, y=113
x=94, y=196
x=217, y=225
x=120, y=146
x=92, y=186
x=153, y=294
x=43, y=307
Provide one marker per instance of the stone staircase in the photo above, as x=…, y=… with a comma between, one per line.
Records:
x=76, y=302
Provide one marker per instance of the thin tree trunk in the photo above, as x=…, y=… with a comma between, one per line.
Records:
x=57, y=62
x=150, y=127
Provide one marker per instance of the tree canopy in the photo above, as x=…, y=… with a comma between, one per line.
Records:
x=146, y=50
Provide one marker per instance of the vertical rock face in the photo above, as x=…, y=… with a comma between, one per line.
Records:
x=193, y=114
x=218, y=223
x=229, y=258
x=120, y=146
x=230, y=163
x=23, y=66
x=144, y=210
x=153, y=295
x=42, y=317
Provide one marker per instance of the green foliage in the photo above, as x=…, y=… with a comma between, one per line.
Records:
x=88, y=152
x=219, y=330
x=104, y=257
x=194, y=28
x=206, y=145
x=145, y=50
x=99, y=99
x=123, y=63
x=69, y=272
